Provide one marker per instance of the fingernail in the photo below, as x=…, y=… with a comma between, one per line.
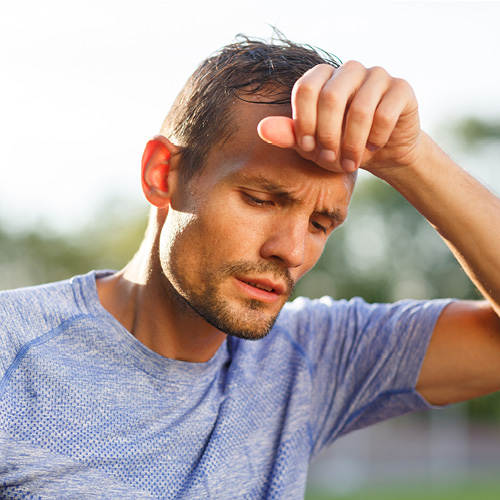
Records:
x=371, y=147
x=327, y=155
x=307, y=143
x=348, y=165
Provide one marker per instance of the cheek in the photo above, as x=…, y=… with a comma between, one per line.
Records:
x=193, y=244
x=177, y=225
x=314, y=249
x=238, y=230
x=175, y=251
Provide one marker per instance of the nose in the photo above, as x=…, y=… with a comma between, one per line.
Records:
x=286, y=242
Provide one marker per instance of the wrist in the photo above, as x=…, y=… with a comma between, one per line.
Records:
x=415, y=168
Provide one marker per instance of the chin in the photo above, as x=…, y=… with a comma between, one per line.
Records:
x=244, y=326
x=247, y=319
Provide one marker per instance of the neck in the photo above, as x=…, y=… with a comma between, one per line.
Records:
x=145, y=303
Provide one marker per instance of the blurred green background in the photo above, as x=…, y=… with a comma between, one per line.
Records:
x=386, y=251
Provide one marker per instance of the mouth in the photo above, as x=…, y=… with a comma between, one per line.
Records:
x=259, y=285
x=261, y=289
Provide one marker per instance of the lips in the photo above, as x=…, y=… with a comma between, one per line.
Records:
x=265, y=284
x=258, y=285
x=261, y=288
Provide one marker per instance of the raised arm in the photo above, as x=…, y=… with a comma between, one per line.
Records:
x=355, y=117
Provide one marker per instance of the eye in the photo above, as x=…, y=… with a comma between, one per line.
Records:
x=257, y=202
x=318, y=226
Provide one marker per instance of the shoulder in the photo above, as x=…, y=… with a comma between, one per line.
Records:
x=28, y=313
x=316, y=324
x=306, y=313
x=43, y=302
x=307, y=325
x=303, y=314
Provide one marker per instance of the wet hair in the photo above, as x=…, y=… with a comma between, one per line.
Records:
x=248, y=69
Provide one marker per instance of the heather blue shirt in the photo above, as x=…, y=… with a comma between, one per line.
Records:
x=87, y=411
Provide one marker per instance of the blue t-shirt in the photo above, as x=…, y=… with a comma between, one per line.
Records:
x=87, y=411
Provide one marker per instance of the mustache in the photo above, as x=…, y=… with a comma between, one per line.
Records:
x=258, y=268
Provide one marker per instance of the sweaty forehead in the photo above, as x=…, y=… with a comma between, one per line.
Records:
x=244, y=159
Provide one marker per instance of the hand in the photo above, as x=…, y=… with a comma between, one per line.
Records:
x=348, y=118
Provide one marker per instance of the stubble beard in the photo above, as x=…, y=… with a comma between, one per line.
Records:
x=249, y=321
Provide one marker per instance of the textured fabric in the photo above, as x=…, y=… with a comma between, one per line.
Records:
x=87, y=411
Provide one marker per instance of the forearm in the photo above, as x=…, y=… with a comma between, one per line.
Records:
x=465, y=213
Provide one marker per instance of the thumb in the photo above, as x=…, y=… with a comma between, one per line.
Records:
x=277, y=130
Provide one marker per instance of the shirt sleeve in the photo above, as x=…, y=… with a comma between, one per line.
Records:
x=364, y=361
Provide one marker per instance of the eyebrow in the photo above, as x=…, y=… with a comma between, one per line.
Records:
x=333, y=215
x=280, y=190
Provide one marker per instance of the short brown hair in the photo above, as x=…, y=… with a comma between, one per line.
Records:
x=200, y=115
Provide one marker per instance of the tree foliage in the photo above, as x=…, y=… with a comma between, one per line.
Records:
x=473, y=130
x=40, y=256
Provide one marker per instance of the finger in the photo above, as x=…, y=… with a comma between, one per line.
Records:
x=398, y=100
x=305, y=94
x=332, y=104
x=360, y=116
x=277, y=130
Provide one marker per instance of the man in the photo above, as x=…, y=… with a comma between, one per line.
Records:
x=147, y=382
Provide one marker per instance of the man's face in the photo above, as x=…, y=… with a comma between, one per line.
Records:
x=244, y=231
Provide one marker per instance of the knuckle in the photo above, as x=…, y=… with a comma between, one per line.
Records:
x=316, y=69
x=324, y=66
x=328, y=140
x=383, y=119
x=378, y=72
x=329, y=97
x=376, y=135
x=303, y=88
x=353, y=65
x=359, y=112
x=351, y=150
x=400, y=84
x=377, y=139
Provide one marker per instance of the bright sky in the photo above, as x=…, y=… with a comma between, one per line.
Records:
x=83, y=84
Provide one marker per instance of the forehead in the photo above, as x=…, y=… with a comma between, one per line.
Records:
x=243, y=157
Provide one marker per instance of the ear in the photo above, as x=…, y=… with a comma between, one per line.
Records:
x=156, y=165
